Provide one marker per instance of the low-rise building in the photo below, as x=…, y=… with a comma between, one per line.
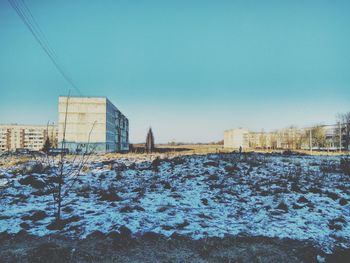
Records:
x=319, y=137
x=31, y=137
x=91, y=124
x=236, y=138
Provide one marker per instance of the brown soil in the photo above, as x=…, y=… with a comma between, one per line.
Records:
x=152, y=248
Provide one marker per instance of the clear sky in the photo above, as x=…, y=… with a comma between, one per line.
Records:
x=189, y=69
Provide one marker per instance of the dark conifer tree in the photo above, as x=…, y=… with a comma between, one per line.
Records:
x=149, y=141
x=47, y=145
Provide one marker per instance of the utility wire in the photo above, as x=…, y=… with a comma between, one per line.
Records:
x=28, y=19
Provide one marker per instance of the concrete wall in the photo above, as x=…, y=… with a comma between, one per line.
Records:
x=86, y=120
x=117, y=129
x=236, y=138
x=92, y=122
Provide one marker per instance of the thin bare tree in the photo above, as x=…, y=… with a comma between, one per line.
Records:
x=344, y=119
x=66, y=170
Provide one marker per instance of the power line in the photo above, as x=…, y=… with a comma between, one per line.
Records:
x=28, y=19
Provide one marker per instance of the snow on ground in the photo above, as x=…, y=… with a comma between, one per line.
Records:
x=299, y=197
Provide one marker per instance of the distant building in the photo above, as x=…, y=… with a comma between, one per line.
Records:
x=322, y=137
x=236, y=138
x=92, y=124
x=31, y=137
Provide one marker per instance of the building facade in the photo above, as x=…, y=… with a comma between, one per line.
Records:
x=321, y=137
x=236, y=138
x=31, y=137
x=91, y=124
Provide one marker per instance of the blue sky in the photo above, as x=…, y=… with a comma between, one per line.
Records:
x=189, y=69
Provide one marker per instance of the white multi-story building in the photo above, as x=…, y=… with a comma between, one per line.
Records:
x=236, y=138
x=31, y=137
x=91, y=124
x=321, y=137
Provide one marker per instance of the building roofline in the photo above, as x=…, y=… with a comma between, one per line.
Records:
x=99, y=97
x=95, y=97
x=21, y=124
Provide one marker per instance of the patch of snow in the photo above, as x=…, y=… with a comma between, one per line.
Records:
x=198, y=200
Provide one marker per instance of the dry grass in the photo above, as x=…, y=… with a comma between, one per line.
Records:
x=166, y=150
x=9, y=161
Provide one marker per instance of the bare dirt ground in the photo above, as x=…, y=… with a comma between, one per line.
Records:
x=280, y=208
x=152, y=247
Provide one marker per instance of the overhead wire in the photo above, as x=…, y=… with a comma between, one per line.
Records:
x=28, y=19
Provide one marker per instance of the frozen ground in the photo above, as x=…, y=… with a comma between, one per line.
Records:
x=298, y=197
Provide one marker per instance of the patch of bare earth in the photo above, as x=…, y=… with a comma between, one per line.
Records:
x=151, y=247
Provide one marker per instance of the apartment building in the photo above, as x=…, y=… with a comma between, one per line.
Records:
x=322, y=137
x=91, y=124
x=236, y=138
x=31, y=137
